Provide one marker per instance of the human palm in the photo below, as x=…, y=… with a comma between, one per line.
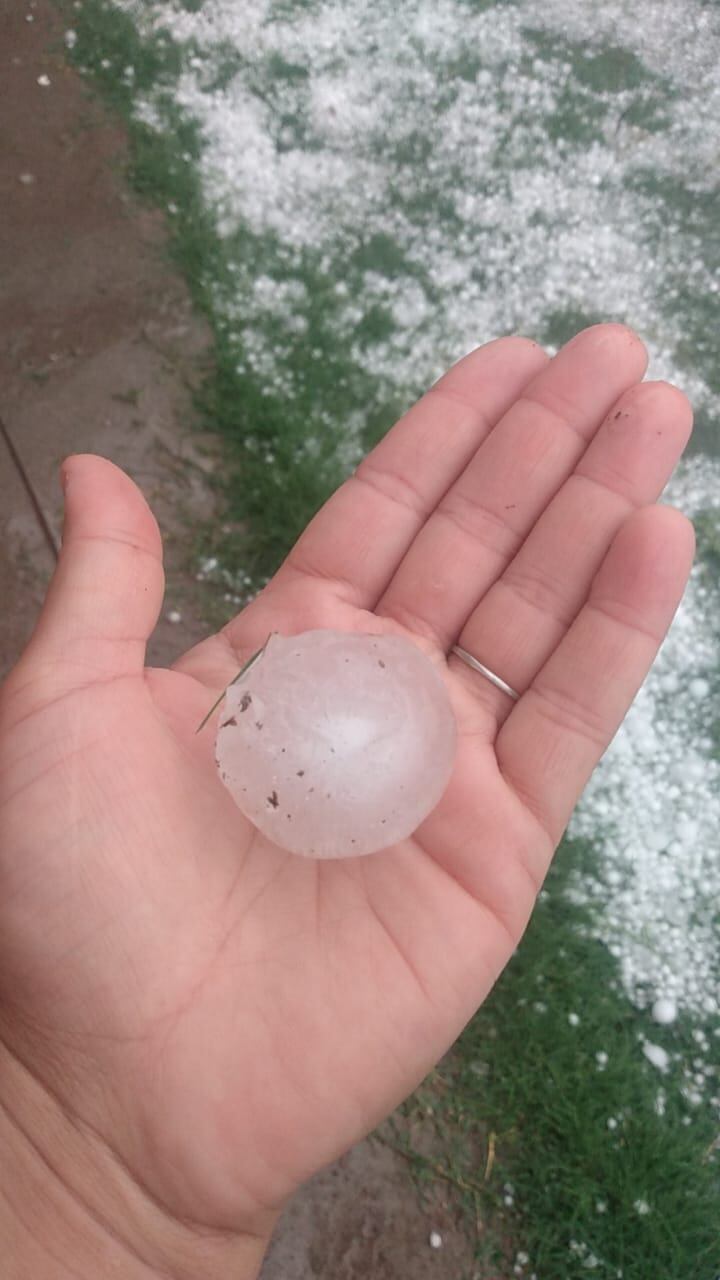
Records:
x=228, y=1017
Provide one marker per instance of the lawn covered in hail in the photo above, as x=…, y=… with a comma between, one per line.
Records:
x=360, y=194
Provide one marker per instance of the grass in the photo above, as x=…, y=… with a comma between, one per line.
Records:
x=522, y=1101
x=275, y=481
x=515, y=1118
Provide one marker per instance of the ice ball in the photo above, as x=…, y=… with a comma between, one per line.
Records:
x=664, y=1010
x=336, y=744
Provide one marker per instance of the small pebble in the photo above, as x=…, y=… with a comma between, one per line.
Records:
x=435, y=1240
x=174, y=616
x=43, y=80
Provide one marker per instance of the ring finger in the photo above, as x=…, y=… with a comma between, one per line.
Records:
x=522, y=618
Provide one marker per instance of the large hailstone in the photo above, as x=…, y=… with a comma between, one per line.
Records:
x=336, y=744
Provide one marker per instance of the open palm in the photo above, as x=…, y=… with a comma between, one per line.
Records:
x=228, y=1017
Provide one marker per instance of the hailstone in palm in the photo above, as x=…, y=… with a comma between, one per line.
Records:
x=336, y=744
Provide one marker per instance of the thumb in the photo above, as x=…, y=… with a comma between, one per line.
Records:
x=107, y=590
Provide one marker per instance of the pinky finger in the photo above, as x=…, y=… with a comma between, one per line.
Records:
x=550, y=744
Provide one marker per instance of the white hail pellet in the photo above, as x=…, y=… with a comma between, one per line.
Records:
x=337, y=744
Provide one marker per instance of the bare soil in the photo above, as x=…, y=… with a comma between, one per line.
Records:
x=98, y=343
x=99, y=349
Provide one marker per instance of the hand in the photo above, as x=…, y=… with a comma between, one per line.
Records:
x=223, y=1018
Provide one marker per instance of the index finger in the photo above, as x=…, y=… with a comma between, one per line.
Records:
x=358, y=538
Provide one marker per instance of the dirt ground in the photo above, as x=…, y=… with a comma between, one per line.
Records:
x=97, y=339
x=99, y=348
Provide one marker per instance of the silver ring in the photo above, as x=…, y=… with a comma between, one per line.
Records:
x=485, y=671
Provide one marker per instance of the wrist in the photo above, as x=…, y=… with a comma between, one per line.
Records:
x=70, y=1208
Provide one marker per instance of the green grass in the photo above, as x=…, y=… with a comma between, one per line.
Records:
x=275, y=482
x=520, y=1099
x=523, y=1074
